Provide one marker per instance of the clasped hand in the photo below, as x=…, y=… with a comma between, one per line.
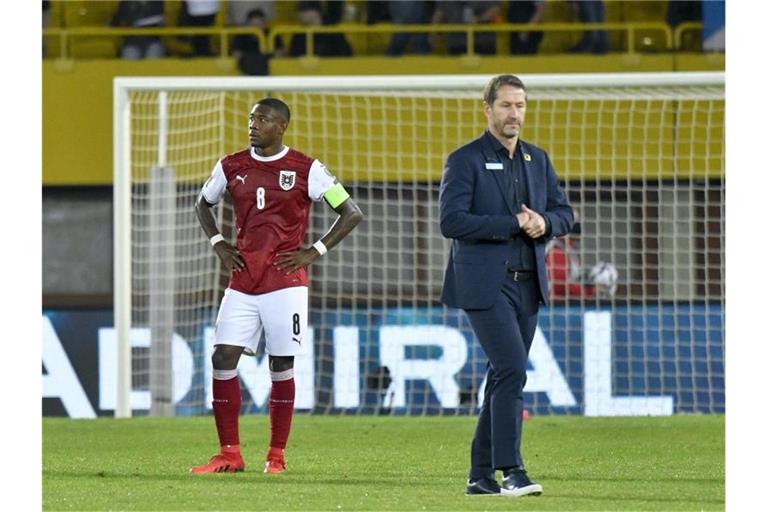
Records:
x=531, y=222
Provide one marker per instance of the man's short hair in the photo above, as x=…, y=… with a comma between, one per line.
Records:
x=489, y=94
x=278, y=106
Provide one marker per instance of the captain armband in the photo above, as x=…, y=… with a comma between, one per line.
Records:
x=336, y=195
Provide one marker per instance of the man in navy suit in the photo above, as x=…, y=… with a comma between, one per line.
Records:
x=500, y=203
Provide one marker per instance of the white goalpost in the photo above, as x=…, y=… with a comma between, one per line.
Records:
x=640, y=155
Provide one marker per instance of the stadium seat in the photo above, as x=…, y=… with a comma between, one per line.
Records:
x=90, y=14
x=557, y=42
x=646, y=11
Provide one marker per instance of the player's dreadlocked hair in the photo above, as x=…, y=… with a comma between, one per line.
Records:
x=276, y=105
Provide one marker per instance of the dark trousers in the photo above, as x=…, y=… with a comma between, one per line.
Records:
x=403, y=13
x=505, y=332
x=529, y=46
x=201, y=45
x=595, y=41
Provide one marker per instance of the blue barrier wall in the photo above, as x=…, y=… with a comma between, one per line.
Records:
x=668, y=350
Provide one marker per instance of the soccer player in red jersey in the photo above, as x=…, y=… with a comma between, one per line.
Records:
x=272, y=188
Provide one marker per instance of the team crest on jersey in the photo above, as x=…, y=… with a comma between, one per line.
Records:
x=287, y=179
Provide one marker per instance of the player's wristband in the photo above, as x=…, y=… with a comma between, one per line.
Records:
x=217, y=238
x=320, y=246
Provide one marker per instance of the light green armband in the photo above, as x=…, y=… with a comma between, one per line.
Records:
x=336, y=195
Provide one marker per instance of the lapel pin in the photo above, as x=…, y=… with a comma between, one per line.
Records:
x=526, y=157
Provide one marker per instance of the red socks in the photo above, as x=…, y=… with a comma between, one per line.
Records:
x=281, y=407
x=226, y=406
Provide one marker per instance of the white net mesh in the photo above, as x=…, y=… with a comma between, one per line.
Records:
x=643, y=165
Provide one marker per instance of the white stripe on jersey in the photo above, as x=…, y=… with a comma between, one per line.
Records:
x=320, y=180
x=214, y=187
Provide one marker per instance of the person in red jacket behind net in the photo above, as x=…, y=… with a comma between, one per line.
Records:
x=567, y=279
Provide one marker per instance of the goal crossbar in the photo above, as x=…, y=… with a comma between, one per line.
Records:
x=418, y=82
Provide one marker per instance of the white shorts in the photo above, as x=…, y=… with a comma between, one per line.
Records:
x=281, y=315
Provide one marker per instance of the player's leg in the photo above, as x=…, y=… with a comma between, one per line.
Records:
x=284, y=313
x=281, y=400
x=227, y=397
x=237, y=328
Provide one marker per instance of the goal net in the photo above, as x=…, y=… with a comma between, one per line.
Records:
x=641, y=157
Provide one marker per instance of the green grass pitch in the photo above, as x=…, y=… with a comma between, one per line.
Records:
x=382, y=463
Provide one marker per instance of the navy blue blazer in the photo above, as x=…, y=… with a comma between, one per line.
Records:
x=477, y=214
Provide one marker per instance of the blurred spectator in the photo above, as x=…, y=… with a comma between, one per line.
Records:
x=246, y=48
x=46, y=21
x=140, y=14
x=326, y=45
x=567, y=279
x=199, y=13
x=409, y=13
x=525, y=43
x=451, y=12
x=377, y=11
x=680, y=12
x=238, y=10
x=592, y=41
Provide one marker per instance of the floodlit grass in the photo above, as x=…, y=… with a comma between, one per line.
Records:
x=382, y=463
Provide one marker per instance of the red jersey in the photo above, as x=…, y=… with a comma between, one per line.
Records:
x=271, y=198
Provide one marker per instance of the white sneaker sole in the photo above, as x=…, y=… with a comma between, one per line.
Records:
x=534, y=489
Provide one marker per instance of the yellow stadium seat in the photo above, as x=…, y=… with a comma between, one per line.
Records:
x=89, y=14
x=93, y=48
x=639, y=11
x=557, y=42
x=644, y=11
x=285, y=13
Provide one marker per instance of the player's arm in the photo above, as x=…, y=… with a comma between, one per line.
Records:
x=350, y=216
x=214, y=188
x=323, y=185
